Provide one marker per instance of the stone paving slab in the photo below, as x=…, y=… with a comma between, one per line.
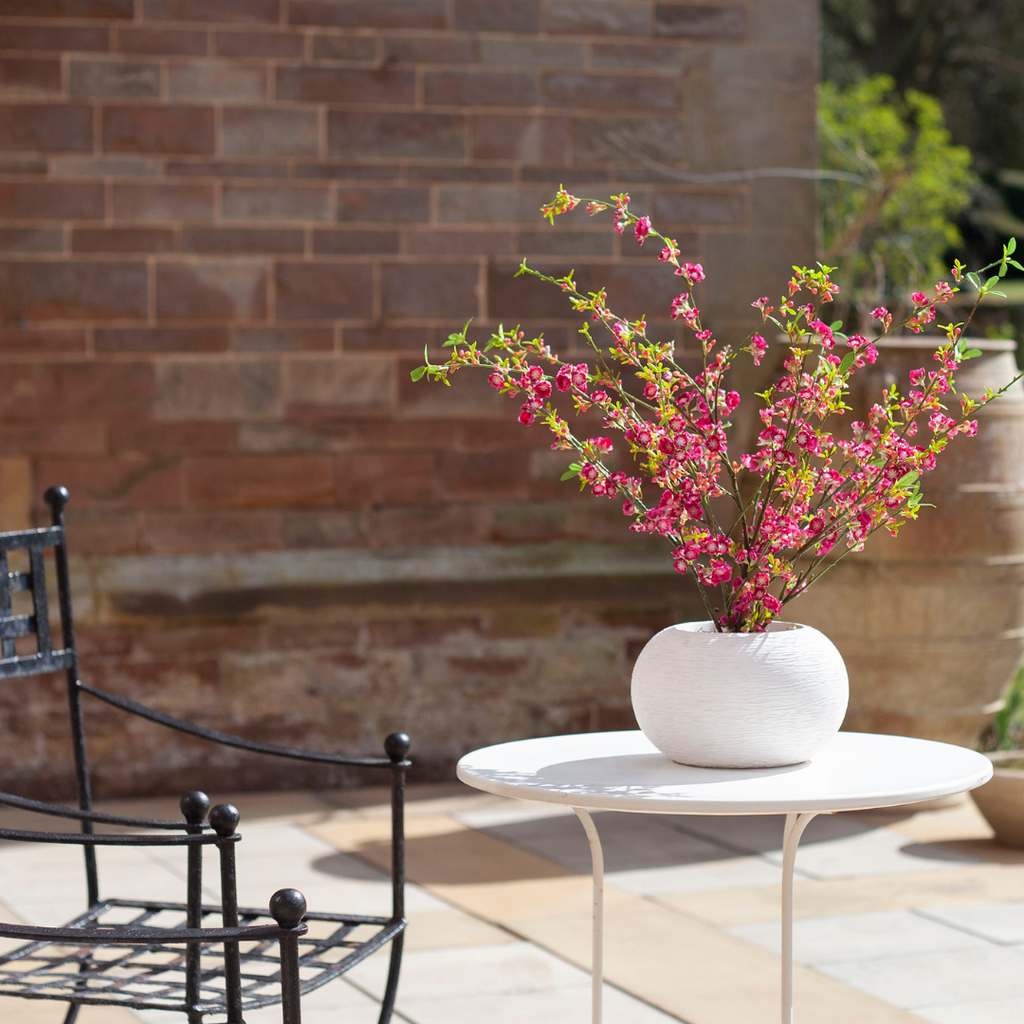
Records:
x=903, y=917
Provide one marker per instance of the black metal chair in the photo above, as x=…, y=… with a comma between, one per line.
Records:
x=194, y=958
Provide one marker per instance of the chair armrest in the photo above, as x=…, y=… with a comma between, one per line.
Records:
x=109, y=839
x=228, y=740
x=60, y=811
x=141, y=936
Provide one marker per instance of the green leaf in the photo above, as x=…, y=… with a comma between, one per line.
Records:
x=1011, y=246
x=418, y=372
x=907, y=478
x=971, y=353
x=568, y=474
x=835, y=325
x=847, y=362
x=1014, y=263
x=974, y=279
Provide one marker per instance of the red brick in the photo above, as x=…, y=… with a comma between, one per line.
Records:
x=346, y=85
x=67, y=8
x=343, y=242
x=612, y=92
x=339, y=383
x=22, y=200
x=210, y=389
x=275, y=241
x=216, y=80
x=460, y=243
x=368, y=13
x=322, y=529
x=260, y=44
x=434, y=136
x=85, y=438
x=351, y=48
x=215, y=532
x=534, y=139
x=638, y=55
x=161, y=339
x=368, y=478
x=174, y=439
x=211, y=291
x=692, y=21
x=480, y=88
x=20, y=77
x=274, y=481
x=81, y=38
x=40, y=341
x=388, y=338
x=566, y=243
x=441, y=172
x=592, y=17
x=323, y=291
x=156, y=201
x=349, y=172
x=490, y=205
x=404, y=525
x=120, y=79
x=274, y=132
x=103, y=532
x=144, y=240
x=275, y=202
x=430, y=289
x=158, y=129
x=73, y=290
x=487, y=16
x=46, y=127
x=77, y=391
x=178, y=42
x=484, y=475
x=687, y=208
x=397, y=205
x=612, y=139
x=256, y=12
x=432, y=49
x=34, y=239
x=123, y=483
x=225, y=169
x=283, y=339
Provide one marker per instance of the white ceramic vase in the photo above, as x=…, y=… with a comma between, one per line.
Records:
x=739, y=700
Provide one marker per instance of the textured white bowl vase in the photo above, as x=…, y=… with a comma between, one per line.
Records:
x=739, y=700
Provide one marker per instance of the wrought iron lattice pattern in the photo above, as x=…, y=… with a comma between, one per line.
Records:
x=152, y=975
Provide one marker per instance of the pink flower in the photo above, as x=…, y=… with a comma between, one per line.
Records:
x=641, y=229
x=602, y=444
x=732, y=400
x=496, y=380
x=870, y=352
x=666, y=254
x=703, y=335
x=758, y=347
x=917, y=376
x=693, y=272
x=563, y=379
x=542, y=389
x=650, y=390
x=526, y=417
x=824, y=332
x=919, y=298
x=679, y=304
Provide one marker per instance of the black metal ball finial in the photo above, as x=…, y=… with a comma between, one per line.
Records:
x=287, y=907
x=57, y=498
x=194, y=806
x=396, y=746
x=224, y=819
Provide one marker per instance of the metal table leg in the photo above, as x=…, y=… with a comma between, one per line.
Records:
x=795, y=825
x=597, y=926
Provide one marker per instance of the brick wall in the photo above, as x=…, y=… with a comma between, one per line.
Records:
x=229, y=227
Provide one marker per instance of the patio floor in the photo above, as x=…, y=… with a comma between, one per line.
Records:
x=902, y=917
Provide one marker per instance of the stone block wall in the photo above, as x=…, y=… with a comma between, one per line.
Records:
x=230, y=227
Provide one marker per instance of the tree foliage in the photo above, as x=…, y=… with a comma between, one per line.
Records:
x=890, y=230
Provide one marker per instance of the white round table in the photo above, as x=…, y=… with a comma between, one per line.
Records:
x=623, y=771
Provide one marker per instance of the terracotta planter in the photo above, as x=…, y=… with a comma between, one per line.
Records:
x=1001, y=799
x=931, y=624
x=739, y=700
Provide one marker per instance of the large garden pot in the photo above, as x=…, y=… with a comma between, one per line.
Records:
x=931, y=624
x=1001, y=799
x=739, y=700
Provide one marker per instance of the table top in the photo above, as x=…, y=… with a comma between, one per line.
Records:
x=623, y=771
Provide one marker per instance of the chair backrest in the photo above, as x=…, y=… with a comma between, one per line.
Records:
x=46, y=658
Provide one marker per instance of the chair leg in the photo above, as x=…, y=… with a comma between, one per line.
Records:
x=72, y=1015
x=387, y=1005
